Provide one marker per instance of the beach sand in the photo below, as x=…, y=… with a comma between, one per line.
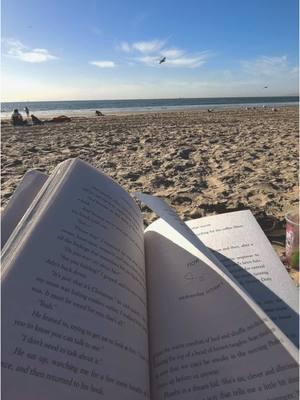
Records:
x=202, y=163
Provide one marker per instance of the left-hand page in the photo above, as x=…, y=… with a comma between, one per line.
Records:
x=20, y=201
x=74, y=320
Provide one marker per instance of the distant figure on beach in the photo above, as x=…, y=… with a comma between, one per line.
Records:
x=35, y=120
x=99, y=113
x=17, y=119
x=274, y=109
x=210, y=110
x=61, y=118
x=26, y=109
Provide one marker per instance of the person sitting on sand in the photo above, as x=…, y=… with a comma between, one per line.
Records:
x=17, y=119
x=35, y=120
x=99, y=113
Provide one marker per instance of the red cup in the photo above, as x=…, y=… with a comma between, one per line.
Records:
x=292, y=238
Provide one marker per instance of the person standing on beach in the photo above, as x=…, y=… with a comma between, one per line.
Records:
x=26, y=109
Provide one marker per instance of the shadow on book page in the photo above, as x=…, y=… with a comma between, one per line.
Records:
x=184, y=237
x=276, y=309
x=204, y=338
x=20, y=201
x=167, y=213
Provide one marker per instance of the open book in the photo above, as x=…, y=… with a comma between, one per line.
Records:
x=94, y=307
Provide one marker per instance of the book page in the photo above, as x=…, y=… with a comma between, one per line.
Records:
x=20, y=201
x=181, y=234
x=208, y=338
x=74, y=321
x=206, y=342
x=238, y=241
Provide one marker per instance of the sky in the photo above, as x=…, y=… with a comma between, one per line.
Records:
x=110, y=49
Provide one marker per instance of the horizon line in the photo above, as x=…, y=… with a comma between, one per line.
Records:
x=157, y=98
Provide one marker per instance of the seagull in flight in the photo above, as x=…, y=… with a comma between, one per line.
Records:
x=162, y=60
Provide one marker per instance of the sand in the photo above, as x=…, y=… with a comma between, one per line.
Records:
x=202, y=163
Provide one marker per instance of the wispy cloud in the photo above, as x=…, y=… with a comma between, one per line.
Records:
x=124, y=46
x=148, y=60
x=266, y=66
x=16, y=49
x=186, y=60
x=150, y=52
x=295, y=70
x=144, y=47
x=172, y=53
x=191, y=62
x=103, y=64
x=148, y=47
x=17, y=88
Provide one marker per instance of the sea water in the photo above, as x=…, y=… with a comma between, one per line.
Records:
x=88, y=107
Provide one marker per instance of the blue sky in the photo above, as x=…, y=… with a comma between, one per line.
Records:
x=91, y=49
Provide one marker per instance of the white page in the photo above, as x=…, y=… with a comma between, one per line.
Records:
x=74, y=321
x=206, y=342
x=23, y=229
x=208, y=337
x=20, y=201
x=240, y=244
x=182, y=235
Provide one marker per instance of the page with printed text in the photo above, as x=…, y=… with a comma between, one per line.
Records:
x=74, y=319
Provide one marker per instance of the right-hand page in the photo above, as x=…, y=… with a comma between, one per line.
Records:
x=205, y=341
x=237, y=240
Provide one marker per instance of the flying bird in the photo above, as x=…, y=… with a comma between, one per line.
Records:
x=162, y=60
x=266, y=87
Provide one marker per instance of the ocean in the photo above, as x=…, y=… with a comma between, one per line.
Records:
x=88, y=107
